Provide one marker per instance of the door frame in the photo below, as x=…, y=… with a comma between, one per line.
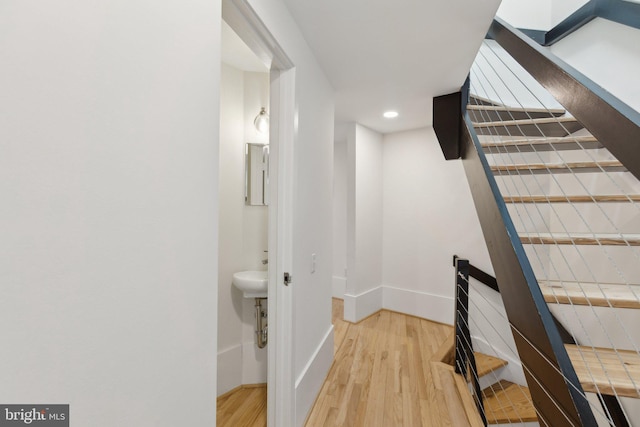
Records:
x=244, y=20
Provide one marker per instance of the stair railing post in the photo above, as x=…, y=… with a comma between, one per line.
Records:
x=463, y=335
x=465, y=359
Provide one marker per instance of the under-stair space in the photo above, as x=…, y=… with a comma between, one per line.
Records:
x=504, y=402
x=575, y=209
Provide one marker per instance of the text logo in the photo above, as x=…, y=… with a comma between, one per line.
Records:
x=34, y=415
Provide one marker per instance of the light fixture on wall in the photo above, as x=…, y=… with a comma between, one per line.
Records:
x=261, y=122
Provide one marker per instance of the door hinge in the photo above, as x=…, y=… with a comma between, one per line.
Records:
x=287, y=279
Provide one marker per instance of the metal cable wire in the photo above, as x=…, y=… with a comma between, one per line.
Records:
x=603, y=247
x=523, y=222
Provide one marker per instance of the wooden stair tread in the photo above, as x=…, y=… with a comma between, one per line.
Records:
x=580, y=239
x=479, y=100
x=582, y=167
x=542, y=127
x=611, y=372
x=554, y=111
x=506, y=402
x=602, y=198
x=541, y=144
x=544, y=120
x=460, y=404
x=489, y=113
x=487, y=364
x=594, y=294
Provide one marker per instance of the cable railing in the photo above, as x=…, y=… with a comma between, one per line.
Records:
x=554, y=181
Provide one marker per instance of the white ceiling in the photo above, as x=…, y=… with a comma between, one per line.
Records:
x=384, y=55
x=392, y=54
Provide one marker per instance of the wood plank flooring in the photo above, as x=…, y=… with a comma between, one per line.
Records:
x=381, y=375
x=243, y=407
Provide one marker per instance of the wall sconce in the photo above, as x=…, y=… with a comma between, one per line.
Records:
x=261, y=122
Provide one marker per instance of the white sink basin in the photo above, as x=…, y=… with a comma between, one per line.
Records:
x=253, y=284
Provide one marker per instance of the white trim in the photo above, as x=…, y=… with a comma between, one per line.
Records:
x=338, y=286
x=280, y=381
x=312, y=378
x=281, y=403
x=421, y=304
x=357, y=307
x=437, y=308
x=229, y=369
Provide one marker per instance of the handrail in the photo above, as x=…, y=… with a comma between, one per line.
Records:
x=556, y=391
x=464, y=345
x=620, y=11
x=465, y=358
x=480, y=275
x=612, y=122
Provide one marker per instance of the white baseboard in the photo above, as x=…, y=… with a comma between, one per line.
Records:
x=357, y=307
x=310, y=381
x=254, y=363
x=229, y=369
x=428, y=306
x=339, y=286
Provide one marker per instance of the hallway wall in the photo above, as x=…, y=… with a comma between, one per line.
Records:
x=364, y=226
x=109, y=182
x=408, y=211
x=428, y=217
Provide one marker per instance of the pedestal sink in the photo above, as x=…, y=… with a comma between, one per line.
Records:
x=253, y=284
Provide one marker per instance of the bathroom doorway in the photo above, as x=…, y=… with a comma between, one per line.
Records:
x=264, y=224
x=242, y=229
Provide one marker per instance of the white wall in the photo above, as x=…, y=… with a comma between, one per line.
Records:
x=364, y=223
x=109, y=181
x=534, y=15
x=562, y=9
x=312, y=207
x=243, y=229
x=609, y=54
x=339, y=219
x=537, y=14
x=428, y=217
x=230, y=227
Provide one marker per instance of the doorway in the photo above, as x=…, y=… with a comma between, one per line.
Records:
x=280, y=380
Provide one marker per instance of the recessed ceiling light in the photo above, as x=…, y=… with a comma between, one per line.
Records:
x=390, y=114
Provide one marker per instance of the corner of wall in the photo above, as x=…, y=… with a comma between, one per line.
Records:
x=437, y=308
x=357, y=307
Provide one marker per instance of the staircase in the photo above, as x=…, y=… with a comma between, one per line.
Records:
x=504, y=401
x=574, y=208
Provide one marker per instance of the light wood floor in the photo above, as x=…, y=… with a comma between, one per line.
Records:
x=381, y=376
x=243, y=407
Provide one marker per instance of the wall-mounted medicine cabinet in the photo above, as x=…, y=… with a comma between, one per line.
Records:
x=256, y=174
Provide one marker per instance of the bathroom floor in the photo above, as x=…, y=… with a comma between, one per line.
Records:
x=243, y=407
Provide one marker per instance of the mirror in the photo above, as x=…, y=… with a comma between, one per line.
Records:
x=256, y=175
